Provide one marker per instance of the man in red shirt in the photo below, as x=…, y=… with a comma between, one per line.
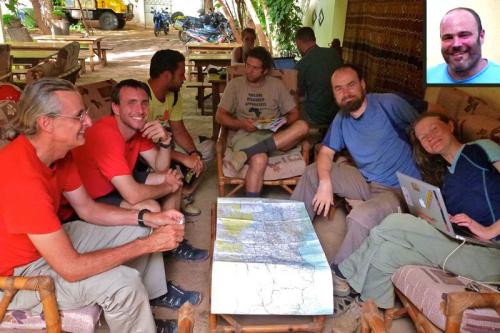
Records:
x=114, y=258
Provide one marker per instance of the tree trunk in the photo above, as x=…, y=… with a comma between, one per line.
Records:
x=39, y=18
x=208, y=4
x=268, y=27
x=258, y=26
x=232, y=24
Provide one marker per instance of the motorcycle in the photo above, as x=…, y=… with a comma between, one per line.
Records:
x=211, y=28
x=161, y=21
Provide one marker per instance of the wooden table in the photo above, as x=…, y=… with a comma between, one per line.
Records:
x=37, y=46
x=32, y=57
x=210, y=47
x=203, y=60
x=92, y=42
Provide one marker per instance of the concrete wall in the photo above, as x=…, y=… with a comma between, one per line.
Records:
x=326, y=17
x=142, y=8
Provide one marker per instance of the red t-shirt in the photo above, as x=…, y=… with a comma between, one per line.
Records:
x=106, y=154
x=30, y=194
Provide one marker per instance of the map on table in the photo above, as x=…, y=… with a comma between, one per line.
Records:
x=268, y=260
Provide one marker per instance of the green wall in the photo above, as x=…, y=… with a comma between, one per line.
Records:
x=333, y=23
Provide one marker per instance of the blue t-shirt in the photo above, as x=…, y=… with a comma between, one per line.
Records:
x=376, y=140
x=472, y=183
x=489, y=74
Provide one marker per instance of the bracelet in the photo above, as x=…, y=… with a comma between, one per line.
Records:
x=164, y=145
x=140, y=217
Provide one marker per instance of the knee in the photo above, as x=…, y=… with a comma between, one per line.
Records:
x=258, y=161
x=125, y=287
x=301, y=128
x=149, y=204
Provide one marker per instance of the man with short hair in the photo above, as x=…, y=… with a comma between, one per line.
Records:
x=107, y=161
x=166, y=76
x=372, y=128
x=314, y=72
x=247, y=99
x=114, y=258
x=462, y=36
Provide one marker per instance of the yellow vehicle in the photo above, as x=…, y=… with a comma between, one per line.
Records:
x=112, y=14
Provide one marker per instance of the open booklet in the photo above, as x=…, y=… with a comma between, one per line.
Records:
x=270, y=124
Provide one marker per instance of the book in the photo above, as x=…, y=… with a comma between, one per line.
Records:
x=270, y=124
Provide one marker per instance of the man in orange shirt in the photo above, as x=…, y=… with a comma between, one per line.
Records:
x=114, y=258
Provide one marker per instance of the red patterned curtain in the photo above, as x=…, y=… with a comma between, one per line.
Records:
x=385, y=39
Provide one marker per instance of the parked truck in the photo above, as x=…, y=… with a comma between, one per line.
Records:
x=112, y=14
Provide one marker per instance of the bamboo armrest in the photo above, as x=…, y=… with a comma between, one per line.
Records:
x=44, y=285
x=457, y=302
x=221, y=143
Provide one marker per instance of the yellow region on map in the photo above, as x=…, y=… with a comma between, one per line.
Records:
x=234, y=226
x=229, y=246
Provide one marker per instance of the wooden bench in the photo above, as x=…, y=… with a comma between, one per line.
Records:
x=82, y=56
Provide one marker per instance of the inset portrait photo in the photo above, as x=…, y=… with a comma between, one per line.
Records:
x=463, y=42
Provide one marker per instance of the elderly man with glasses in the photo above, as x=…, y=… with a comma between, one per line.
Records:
x=113, y=257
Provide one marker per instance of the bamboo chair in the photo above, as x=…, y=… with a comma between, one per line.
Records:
x=44, y=285
x=454, y=305
x=5, y=63
x=185, y=319
x=66, y=66
x=289, y=78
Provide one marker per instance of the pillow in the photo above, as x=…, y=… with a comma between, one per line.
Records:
x=475, y=127
x=459, y=104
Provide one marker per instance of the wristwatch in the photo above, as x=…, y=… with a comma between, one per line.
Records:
x=140, y=217
x=164, y=145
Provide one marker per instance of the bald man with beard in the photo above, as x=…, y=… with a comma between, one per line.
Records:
x=462, y=37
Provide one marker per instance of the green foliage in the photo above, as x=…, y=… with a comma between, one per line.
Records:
x=7, y=18
x=286, y=18
x=78, y=27
x=29, y=18
x=12, y=5
x=58, y=13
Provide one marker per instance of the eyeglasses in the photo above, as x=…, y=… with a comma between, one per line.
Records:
x=81, y=116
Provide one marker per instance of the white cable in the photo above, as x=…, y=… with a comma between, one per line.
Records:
x=450, y=254
x=463, y=277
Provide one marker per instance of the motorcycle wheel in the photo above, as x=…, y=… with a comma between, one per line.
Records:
x=165, y=31
x=157, y=32
x=183, y=36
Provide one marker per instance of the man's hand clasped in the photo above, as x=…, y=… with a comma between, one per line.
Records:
x=154, y=131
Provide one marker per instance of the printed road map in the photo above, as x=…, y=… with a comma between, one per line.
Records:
x=268, y=260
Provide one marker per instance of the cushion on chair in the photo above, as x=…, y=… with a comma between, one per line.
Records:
x=81, y=320
x=458, y=103
x=97, y=97
x=279, y=166
x=424, y=287
x=475, y=127
x=8, y=109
